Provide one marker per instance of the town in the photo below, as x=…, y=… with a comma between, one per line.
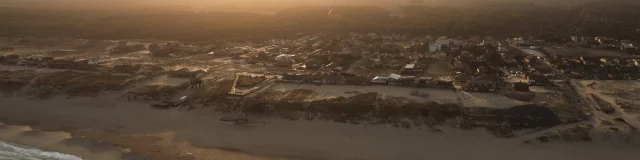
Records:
x=470, y=74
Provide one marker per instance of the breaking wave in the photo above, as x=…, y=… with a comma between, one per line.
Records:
x=15, y=152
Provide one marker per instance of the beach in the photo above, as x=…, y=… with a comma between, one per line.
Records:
x=104, y=128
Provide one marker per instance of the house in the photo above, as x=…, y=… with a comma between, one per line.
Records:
x=47, y=59
x=490, y=41
x=423, y=81
x=519, y=41
x=443, y=40
x=484, y=83
x=380, y=80
x=285, y=57
x=235, y=51
x=29, y=63
x=406, y=81
x=356, y=79
x=411, y=69
x=461, y=79
x=333, y=79
x=627, y=45
x=84, y=65
x=5, y=48
x=239, y=60
x=185, y=73
x=293, y=78
x=314, y=64
x=61, y=64
x=313, y=78
x=435, y=47
x=195, y=83
x=150, y=70
x=539, y=80
x=459, y=41
x=62, y=52
x=125, y=69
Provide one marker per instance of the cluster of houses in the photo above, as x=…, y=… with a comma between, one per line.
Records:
x=603, y=68
x=137, y=69
x=49, y=62
x=603, y=43
x=350, y=79
x=122, y=47
x=480, y=83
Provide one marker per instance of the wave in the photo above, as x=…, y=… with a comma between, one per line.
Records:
x=15, y=152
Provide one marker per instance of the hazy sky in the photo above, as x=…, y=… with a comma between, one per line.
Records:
x=259, y=5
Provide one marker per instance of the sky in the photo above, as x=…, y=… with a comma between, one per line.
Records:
x=255, y=5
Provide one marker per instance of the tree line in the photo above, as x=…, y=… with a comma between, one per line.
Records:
x=497, y=19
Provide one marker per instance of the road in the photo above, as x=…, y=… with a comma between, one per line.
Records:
x=356, y=64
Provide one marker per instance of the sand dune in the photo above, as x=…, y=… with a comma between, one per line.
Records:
x=200, y=135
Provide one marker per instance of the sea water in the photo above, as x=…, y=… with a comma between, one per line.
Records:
x=17, y=152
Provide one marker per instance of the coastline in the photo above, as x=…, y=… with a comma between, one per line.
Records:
x=19, y=151
x=92, y=128
x=26, y=137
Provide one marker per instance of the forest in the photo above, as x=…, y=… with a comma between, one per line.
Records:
x=174, y=22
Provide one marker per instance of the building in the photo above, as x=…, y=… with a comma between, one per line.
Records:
x=239, y=60
x=411, y=69
x=435, y=47
x=490, y=41
x=443, y=40
x=151, y=70
x=195, y=83
x=539, y=80
x=333, y=79
x=519, y=41
x=380, y=80
x=484, y=83
x=129, y=69
x=356, y=80
x=461, y=79
x=627, y=45
x=186, y=73
x=29, y=63
x=458, y=41
x=236, y=51
x=406, y=81
x=293, y=78
x=285, y=57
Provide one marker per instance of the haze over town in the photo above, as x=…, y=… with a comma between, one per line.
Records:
x=308, y=79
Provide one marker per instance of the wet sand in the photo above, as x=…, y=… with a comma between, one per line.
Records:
x=104, y=128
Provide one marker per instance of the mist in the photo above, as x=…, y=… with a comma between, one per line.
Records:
x=262, y=6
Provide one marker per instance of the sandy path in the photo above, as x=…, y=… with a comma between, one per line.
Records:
x=332, y=91
x=63, y=142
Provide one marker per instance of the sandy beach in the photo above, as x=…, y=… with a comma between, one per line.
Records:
x=102, y=128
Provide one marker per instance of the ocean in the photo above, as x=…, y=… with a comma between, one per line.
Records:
x=18, y=152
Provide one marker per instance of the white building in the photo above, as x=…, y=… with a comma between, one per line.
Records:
x=285, y=57
x=459, y=41
x=394, y=76
x=519, y=41
x=443, y=41
x=435, y=47
x=409, y=66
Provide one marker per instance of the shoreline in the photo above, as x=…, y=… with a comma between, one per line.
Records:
x=93, y=144
x=25, y=150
